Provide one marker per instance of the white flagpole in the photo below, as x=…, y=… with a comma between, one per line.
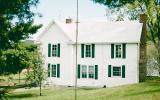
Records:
x=76, y=51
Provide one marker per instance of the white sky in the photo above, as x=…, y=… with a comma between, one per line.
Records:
x=61, y=9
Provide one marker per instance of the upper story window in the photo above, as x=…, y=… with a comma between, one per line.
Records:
x=54, y=50
x=118, y=50
x=88, y=50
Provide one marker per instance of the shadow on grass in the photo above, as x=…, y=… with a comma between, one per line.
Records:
x=144, y=92
x=88, y=88
x=19, y=86
x=27, y=95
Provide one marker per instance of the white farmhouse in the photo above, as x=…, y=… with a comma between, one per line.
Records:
x=108, y=53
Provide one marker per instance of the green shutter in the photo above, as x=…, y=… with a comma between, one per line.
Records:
x=79, y=71
x=48, y=70
x=96, y=72
x=49, y=50
x=93, y=50
x=58, y=70
x=112, y=51
x=124, y=50
x=82, y=50
x=59, y=50
x=123, y=71
x=109, y=70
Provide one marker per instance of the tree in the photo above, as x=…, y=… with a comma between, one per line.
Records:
x=3, y=94
x=16, y=21
x=133, y=8
x=38, y=73
x=16, y=24
x=16, y=59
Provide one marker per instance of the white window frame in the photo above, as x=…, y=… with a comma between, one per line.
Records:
x=116, y=51
x=85, y=46
x=119, y=71
x=93, y=72
x=85, y=71
x=54, y=50
x=54, y=71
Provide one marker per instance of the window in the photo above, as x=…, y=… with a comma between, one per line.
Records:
x=118, y=51
x=116, y=71
x=88, y=50
x=84, y=71
x=54, y=50
x=54, y=71
x=91, y=71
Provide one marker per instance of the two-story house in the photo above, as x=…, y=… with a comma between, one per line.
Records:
x=108, y=52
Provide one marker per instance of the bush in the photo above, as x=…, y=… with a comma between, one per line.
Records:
x=3, y=93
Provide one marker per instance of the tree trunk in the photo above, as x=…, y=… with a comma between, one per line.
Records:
x=158, y=58
x=19, y=76
x=40, y=89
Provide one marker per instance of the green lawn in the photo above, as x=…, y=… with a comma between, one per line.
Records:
x=143, y=91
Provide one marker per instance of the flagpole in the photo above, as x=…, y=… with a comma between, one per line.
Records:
x=76, y=51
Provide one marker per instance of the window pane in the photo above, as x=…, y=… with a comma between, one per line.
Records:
x=91, y=71
x=53, y=70
x=54, y=50
x=118, y=51
x=84, y=71
x=88, y=50
x=116, y=71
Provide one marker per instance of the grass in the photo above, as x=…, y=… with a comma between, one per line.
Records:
x=149, y=90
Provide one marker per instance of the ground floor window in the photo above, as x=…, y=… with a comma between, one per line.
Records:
x=88, y=71
x=91, y=71
x=84, y=71
x=116, y=71
x=54, y=70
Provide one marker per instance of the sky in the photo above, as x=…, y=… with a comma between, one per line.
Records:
x=62, y=9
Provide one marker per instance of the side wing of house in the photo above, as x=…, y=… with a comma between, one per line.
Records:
x=57, y=54
x=108, y=64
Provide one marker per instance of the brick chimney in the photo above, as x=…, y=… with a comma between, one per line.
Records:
x=143, y=58
x=68, y=20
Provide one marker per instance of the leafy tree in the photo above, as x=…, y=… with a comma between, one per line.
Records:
x=16, y=24
x=38, y=73
x=16, y=21
x=132, y=8
x=16, y=59
x=3, y=94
